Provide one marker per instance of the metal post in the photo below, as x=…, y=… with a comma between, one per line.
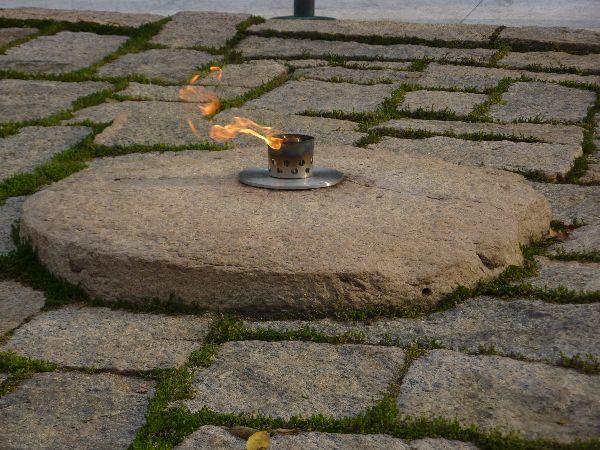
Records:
x=304, y=8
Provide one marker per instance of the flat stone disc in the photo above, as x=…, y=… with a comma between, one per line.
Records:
x=400, y=230
x=321, y=177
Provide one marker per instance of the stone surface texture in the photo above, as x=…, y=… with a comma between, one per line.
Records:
x=572, y=275
x=102, y=338
x=64, y=15
x=10, y=214
x=560, y=134
x=207, y=29
x=74, y=410
x=465, y=34
x=552, y=60
x=146, y=91
x=249, y=75
x=34, y=99
x=33, y=146
x=457, y=217
x=459, y=103
x=60, y=53
x=571, y=203
x=585, y=239
x=17, y=303
x=535, y=399
x=313, y=95
x=362, y=76
x=392, y=65
x=292, y=378
x=164, y=65
x=261, y=47
x=557, y=37
x=8, y=35
x=553, y=160
x=532, y=329
x=542, y=101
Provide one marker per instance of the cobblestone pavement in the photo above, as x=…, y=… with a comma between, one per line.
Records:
x=444, y=296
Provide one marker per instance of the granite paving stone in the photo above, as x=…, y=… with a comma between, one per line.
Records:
x=65, y=15
x=532, y=329
x=213, y=437
x=465, y=34
x=158, y=202
x=544, y=102
x=292, y=378
x=448, y=76
x=206, y=29
x=164, y=65
x=10, y=214
x=60, y=53
x=17, y=303
x=364, y=76
x=315, y=95
x=33, y=146
x=249, y=75
x=303, y=63
x=392, y=65
x=552, y=60
x=459, y=103
x=74, y=410
x=556, y=37
x=34, y=99
x=585, y=239
x=145, y=91
x=571, y=203
x=324, y=130
x=560, y=134
x=261, y=47
x=101, y=338
x=553, y=160
x=538, y=400
x=572, y=275
x=146, y=123
x=8, y=35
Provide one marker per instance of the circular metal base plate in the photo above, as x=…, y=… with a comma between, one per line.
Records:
x=322, y=177
x=305, y=18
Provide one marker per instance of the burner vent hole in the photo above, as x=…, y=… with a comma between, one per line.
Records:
x=307, y=170
x=302, y=162
x=294, y=171
x=286, y=163
x=279, y=170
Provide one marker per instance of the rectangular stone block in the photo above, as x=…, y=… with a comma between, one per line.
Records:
x=552, y=60
x=555, y=37
x=571, y=203
x=65, y=15
x=362, y=76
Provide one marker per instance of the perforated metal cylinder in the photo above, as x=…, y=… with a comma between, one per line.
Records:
x=295, y=157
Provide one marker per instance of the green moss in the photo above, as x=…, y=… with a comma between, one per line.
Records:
x=19, y=368
x=583, y=363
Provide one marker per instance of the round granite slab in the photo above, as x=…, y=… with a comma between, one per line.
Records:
x=400, y=229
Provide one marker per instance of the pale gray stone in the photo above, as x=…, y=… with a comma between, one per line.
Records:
x=63, y=15
x=302, y=63
x=538, y=400
x=8, y=35
x=10, y=214
x=571, y=203
x=485, y=78
x=159, y=203
x=292, y=378
x=101, y=338
x=465, y=34
x=164, y=65
x=144, y=91
x=392, y=65
x=553, y=160
x=146, y=123
x=250, y=75
x=33, y=146
x=560, y=134
x=325, y=131
x=60, y=53
x=532, y=329
x=572, y=275
x=34, y=99
x=261, y=47
x=364, y=76
x=17, y=303
x=314, y=95
x=459, y=103
x=74, y=410
x=206, y=29
x=552, y=60
x=556, y=37
x=211, y=437
x=584, y=239
x=544, y=102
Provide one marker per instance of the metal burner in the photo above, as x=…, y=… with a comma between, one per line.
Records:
x=291, y=167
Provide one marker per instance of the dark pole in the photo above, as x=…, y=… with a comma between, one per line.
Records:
x=304, y=8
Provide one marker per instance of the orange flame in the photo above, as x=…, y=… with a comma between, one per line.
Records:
x=246, y=126
x=208, y=102
x=219, y=70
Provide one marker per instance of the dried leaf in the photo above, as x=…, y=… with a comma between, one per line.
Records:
x=258, y=441
x=242, y=432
